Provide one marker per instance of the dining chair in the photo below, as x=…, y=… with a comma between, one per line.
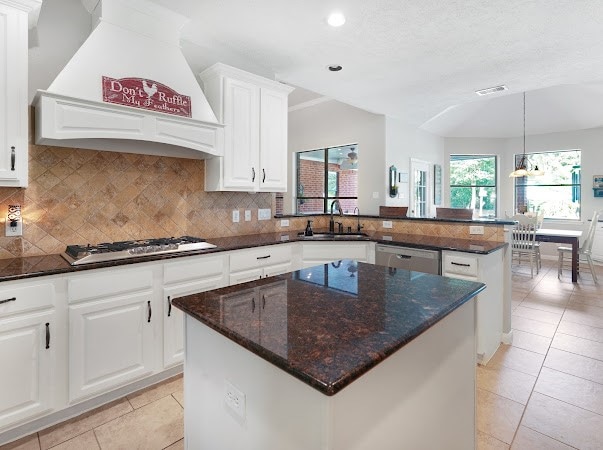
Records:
x=585, y=250
x=523, y=242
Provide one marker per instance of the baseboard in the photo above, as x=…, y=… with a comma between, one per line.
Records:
x=507, y=338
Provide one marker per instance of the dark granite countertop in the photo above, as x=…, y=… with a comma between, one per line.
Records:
x=481, y=221
x=35, y=266
x=328, y=325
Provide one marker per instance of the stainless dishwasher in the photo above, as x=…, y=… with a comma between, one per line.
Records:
x=416, y=259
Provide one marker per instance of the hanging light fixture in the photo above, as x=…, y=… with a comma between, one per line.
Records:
x=353, y=156
x=521, y=168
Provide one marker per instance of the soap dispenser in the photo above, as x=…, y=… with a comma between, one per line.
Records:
x=309, y=231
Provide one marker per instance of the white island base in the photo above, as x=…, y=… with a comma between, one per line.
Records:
x=421, y=397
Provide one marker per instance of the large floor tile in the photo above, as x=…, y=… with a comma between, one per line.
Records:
x=573, y=364
x=85, y=441
x=579, y=330
x=556, y=298
x=542, y=305
x=531, y=342
x=527, y=439
x=580, y=346
x=588, y=300
x=498, y=416
x=574, y=390
x=563, y=422
x=30, y=442
x=584, y=314
x=518, y=359
x=487, y=442
x=64, y=431
x=532, y=326
x=506, y=382
x=179, y=396
x=153, y=426
x=552, y=318
x=152, y=393
x=176, y=445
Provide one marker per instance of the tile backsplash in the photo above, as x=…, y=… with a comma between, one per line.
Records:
x=80, y=196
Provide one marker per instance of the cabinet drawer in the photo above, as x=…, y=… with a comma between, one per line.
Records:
x=106, y=284
x=259, y=257
x=20, y=298
x=459, y=264
x=194, y=268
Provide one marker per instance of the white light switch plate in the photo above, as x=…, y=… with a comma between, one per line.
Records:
x=284, y=222
x=476, y=229
x=387, y=224
x=247, y=215
x=235, y=215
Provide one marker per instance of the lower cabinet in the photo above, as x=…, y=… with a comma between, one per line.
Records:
x=184, y=278
x=489, y=303
x=111, y=330
x=28, y=351
x=252, y=264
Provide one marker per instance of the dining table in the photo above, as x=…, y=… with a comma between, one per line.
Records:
x=563, y=237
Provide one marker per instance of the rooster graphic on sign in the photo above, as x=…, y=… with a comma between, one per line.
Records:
x=150, y=90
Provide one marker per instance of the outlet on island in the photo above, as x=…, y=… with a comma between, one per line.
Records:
x=235, y=216
x=234, y=399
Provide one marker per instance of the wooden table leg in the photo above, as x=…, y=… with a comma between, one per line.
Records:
x=575, y=261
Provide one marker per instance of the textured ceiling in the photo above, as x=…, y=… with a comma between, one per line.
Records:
x=418, y=61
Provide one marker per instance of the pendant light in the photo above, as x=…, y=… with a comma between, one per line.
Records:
x=521, y=169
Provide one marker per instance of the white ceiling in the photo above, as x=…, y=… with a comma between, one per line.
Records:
x=417, y=60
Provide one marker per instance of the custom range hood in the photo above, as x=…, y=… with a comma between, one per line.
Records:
x=129, y=89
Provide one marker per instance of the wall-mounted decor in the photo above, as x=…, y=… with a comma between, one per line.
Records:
x=393, y=186
x=598, y=185
x=437, y=184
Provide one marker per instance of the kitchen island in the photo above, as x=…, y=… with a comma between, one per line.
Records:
x=343, y=355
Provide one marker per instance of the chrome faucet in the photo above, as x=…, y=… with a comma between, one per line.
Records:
x=358, y=227
x=331, y=222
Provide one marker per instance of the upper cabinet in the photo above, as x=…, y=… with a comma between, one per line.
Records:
x=13, y=91
x=254, y=112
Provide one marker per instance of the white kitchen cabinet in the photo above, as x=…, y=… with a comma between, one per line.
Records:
x=28, y=351
x=254, y=111
x=489, y=303
x=260, y=262
x=192, y=275
x=112, y=329
x=315, y=253
x=13, y=91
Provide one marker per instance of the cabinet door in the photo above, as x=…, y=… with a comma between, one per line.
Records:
x=13, y=97
x=245, y=276
x=173, y=318
x=110, y=343
x=241, y=140
x=273, y=141
x=27, y=374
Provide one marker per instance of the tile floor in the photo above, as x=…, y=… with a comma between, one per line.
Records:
x=543, y=392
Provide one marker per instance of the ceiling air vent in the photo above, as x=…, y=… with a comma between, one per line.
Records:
x=492, y=90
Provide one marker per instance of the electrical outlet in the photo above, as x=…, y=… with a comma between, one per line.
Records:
x=264, y=214
x=247, y=215
x=235, y=215
x=284, y=222
x=387, y=224
x=476, y=229
x=387, y=238
x=234, y=399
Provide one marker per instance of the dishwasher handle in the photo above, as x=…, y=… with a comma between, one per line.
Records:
x=403, y=256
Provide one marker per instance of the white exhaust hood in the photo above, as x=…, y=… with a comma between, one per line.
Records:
x=139, y=41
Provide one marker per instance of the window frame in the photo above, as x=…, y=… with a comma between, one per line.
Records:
x=326, y=199
x=576, y=184
x=496, y=177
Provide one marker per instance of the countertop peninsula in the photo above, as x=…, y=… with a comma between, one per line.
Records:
x=328, y=325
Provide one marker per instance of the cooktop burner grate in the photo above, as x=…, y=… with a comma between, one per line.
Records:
x=108, y=251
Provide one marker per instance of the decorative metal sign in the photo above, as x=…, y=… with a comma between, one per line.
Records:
x=146, y=94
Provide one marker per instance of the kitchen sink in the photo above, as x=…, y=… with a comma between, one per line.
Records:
x=334, y=236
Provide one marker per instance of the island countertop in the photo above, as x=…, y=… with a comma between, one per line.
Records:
x=328, y=325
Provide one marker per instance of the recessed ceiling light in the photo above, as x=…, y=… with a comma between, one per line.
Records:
x=335, y=68
x=336, y=19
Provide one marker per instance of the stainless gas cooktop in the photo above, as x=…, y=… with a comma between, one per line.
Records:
x=79, y=254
